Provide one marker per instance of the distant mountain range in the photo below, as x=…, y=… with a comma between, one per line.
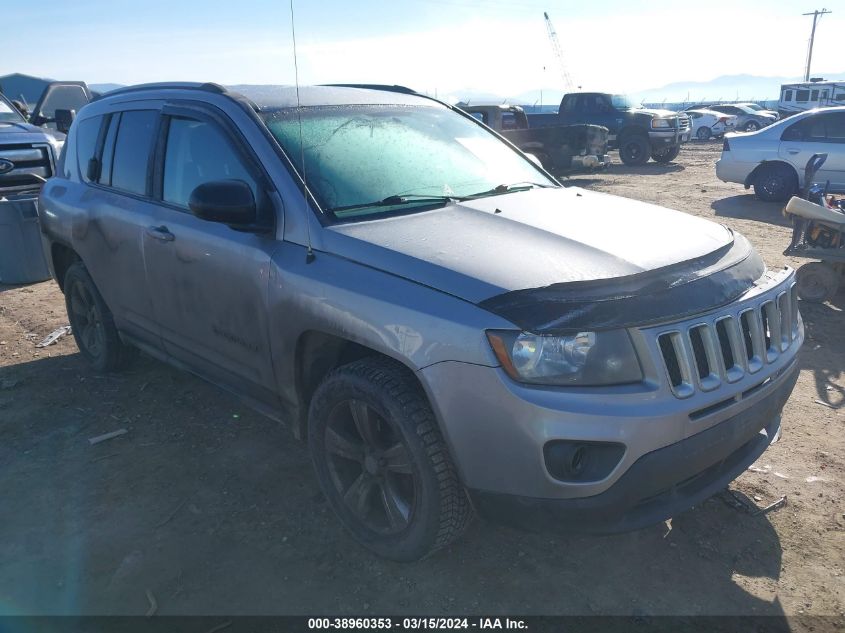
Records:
x=724, y=88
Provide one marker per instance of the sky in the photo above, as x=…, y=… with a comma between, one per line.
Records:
x=435, y=46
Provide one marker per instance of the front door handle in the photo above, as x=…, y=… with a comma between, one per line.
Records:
x=160, y=233
x=793, y=151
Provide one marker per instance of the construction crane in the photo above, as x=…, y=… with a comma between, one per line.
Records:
x=567, y=80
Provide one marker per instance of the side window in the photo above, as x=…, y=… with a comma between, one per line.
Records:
x=814, y=95
x=196, y=153
x=824, y=95
x=87, y=132
x=787, y=95
x=835, y=127
x=802, y=96
x=508, y=121
x=481, y=116
x=840, y=96
x=794, y=132
x=569, y=104
x=132, y=150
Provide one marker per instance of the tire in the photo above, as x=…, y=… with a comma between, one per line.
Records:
x=817, y=282
x=666, y=155
x=704, y=133
x=634, y=149
x=751, y=126
x=382, y=463
x=775, y=183
x=92, y=322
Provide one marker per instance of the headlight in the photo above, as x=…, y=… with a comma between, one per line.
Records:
x=660, y=123
x=585, y=358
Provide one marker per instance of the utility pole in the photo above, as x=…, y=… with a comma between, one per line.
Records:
x=816, y=14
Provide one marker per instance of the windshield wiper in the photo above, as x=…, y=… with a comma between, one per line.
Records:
x=396, y=200
x=504, y=188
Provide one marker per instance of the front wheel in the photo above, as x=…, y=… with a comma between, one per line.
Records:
x=667, y=154
x=92, y=322
x=816, y=282
x=634, y=150
x=752, y=126
x=704, y=133
x=382, y=463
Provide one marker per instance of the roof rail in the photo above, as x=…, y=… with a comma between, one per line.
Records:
x=172, y=85
x=384, y=87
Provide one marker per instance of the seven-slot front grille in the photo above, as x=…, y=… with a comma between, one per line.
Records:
x=709, y=353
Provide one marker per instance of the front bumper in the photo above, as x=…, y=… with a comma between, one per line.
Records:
x=666, y=137
x=504, y=435
x=659, y=485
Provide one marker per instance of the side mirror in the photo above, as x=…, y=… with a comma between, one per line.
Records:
x=64, y=119
x=227, y=201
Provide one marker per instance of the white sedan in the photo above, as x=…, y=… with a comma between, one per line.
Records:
x=772, y=160
x=707, y=123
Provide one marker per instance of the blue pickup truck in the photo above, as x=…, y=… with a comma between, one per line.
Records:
x=638, y=133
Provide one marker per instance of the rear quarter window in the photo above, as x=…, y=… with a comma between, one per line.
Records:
x=87, y=132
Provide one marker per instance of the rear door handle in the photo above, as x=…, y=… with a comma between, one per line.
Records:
x=160, y=233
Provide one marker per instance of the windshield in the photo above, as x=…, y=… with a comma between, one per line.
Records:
x=753, y=106
x=624, y=102
x=8, y=113
x=362, y=160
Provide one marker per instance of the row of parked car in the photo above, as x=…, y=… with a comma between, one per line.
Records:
x=717, y=120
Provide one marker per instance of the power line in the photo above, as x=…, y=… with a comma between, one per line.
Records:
x=816, y=15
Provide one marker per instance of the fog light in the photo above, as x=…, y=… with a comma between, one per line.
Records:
x=582, y=461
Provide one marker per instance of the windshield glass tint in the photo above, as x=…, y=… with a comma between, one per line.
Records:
x=8, y=113
x=623, y=102
x=358, y=155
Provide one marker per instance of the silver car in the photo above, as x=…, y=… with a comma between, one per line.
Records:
x=772, y=160
x=449, y=328
x=747, y=119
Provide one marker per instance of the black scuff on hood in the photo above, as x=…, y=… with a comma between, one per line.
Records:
x=669, y=293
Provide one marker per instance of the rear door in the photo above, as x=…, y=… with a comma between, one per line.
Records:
x=114, y=154
x=210, y=282
x=822, y=133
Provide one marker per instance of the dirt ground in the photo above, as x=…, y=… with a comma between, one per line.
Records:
x=214, y=509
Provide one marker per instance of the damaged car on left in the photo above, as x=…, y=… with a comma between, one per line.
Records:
x=28, y=157
x=450, y=329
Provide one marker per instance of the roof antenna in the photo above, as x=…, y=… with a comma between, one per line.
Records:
x=309, y=256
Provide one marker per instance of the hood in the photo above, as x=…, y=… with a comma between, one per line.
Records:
x=15, y=132
x=653, y=112
x=480, y=249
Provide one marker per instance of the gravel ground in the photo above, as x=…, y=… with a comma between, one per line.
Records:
x=214, y=509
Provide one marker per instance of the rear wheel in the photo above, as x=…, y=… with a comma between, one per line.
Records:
x=817, y=282
x=382, y=463
x=666, y=154
x=775, y=183
x=634, y=149
x=752, y=126
x=92, y=322
x=704, y=133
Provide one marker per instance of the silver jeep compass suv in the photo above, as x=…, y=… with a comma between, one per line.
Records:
x=448, y=327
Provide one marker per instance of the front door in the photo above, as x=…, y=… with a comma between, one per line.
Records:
x=209, y=282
